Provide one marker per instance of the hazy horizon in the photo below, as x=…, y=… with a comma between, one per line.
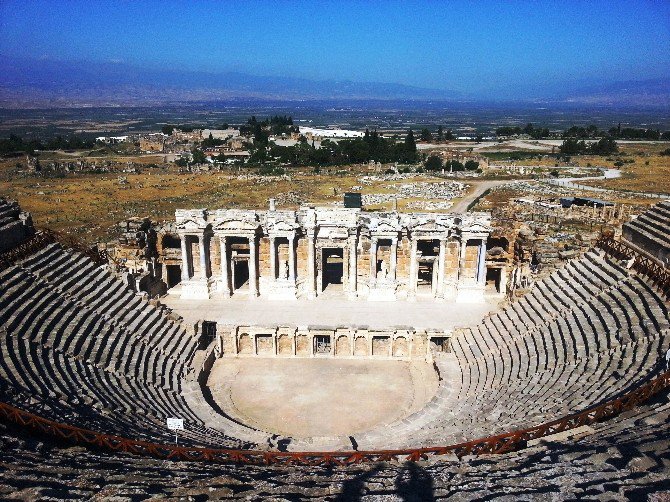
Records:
x=514, y=50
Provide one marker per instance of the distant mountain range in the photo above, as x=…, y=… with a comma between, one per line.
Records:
x=652, y=92
x=36, y=83
x=97, y=83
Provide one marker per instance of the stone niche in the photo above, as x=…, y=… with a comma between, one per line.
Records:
x=316, y=251
x=287, y=341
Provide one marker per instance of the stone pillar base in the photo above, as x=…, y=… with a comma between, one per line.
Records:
x=281, y=290
x=470, y=294
x=222, y=288
x=198, y=289
x=450, y=292
x=382, y=292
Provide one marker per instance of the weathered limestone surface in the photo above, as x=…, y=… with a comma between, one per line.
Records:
x=318, y=251
x=625, y=459
x=390, y=343
x=15, y=225
x=76, y=346
x=649, y=232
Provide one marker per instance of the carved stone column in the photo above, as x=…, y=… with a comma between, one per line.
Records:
x=353, y=265
x=203, y=256
x=461, y=258
x=411, y=293
x=393, y=268
x=253, y=271
x=291, y=259
x=185, y=274
x=223, y=244
x=373, y=261
x=311, y=265
x=273, y=260
x=481, y=263
x=440, y=268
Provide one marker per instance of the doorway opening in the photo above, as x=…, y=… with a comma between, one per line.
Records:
x=173, y=275
x=493, y=279
x=240, y=273
x=426, y=280
x=332, y=267
x=322, y=344
x=440, y=344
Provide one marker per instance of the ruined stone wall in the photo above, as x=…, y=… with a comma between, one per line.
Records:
x=286, y=341
x=404, y=258
x=471, y=259
x=264, y=256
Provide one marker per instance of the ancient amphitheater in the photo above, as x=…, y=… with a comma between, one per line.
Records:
x=562, y=393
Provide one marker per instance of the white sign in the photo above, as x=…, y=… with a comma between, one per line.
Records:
x=175, y=424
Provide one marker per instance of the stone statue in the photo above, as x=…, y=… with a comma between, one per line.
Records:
x=284, y=269
x=384, y=270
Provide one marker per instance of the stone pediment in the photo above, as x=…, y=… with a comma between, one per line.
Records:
x=234, y=224
x=477, y=223
x=282, y=226
x=190, y=226
x=191, y=220
x=478, y=228
x=281, y=221
x=385, y=227
x=430, y=226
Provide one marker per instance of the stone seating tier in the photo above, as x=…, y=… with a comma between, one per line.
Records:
x=584, y=334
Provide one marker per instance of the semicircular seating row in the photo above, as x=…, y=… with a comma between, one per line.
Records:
x=77, y=346
x=585, y=334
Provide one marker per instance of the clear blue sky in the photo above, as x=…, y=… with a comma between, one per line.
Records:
x=466, y=46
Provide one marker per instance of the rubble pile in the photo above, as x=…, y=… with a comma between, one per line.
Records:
x=429, y=205
x=368, y=180
x=445, y=190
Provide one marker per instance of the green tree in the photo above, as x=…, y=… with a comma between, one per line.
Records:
x=440, y=134
x=471, y=165
x=410, y=142
x=433, y=163
x=198, y=156
x=605, y=146
x=454, y=165
x=426, y=135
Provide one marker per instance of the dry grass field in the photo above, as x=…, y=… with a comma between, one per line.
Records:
x=89, y=205
x=649, y=171
x=644, y=168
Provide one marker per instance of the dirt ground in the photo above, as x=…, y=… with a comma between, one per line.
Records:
x=307, y=397
x=88, y=205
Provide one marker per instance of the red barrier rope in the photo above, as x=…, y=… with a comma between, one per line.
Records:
x=502, y=443
x=658, y=274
